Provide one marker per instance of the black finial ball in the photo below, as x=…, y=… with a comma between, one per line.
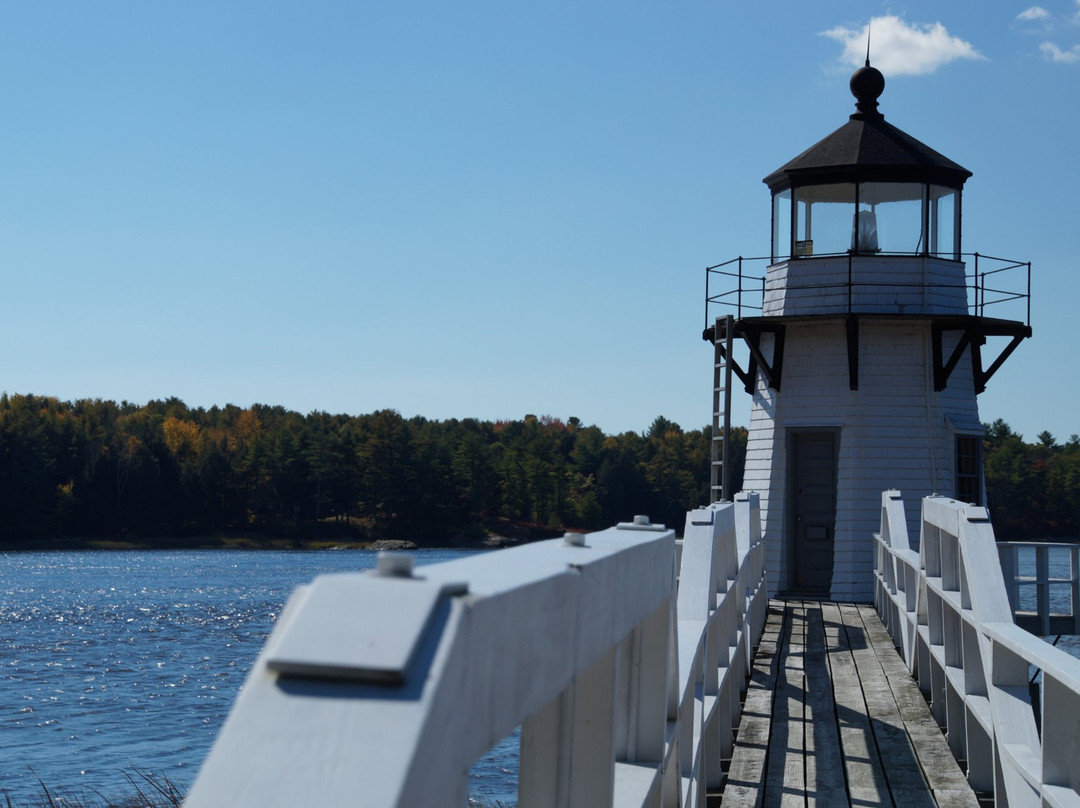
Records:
x=867, y=84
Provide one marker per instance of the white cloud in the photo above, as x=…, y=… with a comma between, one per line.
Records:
x=1037, y=20
x=897, y=48
x=1032, y=14
x=1053, y=53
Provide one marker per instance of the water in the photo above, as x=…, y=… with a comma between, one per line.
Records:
x=119, y=661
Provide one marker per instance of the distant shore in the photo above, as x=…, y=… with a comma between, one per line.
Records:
x=182, y=543
x=490, y=540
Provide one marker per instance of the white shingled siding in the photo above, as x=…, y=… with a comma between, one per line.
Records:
x=884, y=285
x=894, y=432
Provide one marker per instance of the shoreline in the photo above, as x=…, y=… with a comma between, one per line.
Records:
x=182, y=543
x=489, y=534
x=253, y=543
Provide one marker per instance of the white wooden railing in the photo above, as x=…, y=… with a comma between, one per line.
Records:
x=1027, y=570
x=383, y=689
x=947, y=610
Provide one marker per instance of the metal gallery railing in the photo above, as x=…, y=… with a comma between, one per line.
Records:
x=737, y=286
x=623, y=667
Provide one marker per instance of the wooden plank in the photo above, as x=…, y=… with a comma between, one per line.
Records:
x=943, y=774
x=825, y=787
x=833, y=718
x=865, y=777
x=745, y=783
x=785, y=779
x=899, y=763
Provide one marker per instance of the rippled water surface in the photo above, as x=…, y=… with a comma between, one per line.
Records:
x=113, y=661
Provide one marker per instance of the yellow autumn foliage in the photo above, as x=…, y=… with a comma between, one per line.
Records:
x=180, y=436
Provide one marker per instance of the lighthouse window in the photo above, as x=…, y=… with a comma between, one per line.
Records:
x=945, y=222
x=781, y=236
x=890, y=218
x=968, y=469
x=823, y=216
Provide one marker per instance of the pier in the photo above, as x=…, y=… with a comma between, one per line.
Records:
x=646, y=671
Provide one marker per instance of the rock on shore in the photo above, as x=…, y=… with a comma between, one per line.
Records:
x=392, y=544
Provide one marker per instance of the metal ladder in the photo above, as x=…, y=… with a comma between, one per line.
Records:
x=720, y=477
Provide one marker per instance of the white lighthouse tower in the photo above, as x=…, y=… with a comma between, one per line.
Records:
x=867, y=351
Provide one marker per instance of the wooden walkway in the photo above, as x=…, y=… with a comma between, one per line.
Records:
x=833, y=718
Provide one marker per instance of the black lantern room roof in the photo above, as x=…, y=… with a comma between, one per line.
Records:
x=868, y=149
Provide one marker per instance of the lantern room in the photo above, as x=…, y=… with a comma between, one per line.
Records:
x=867, y=189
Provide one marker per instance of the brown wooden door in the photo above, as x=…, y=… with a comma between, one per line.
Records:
x=813, y=510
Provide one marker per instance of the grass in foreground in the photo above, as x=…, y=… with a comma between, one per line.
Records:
x=147, y=790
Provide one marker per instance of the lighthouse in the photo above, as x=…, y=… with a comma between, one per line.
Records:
x=866, y=348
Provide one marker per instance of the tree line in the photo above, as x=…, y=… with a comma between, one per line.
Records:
x=1032, y=489
x=94, y=468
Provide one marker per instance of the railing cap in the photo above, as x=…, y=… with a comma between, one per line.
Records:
x=390, y=564
x=641, y=522
x=326, y=637
x=701, y=516
x=571, y=539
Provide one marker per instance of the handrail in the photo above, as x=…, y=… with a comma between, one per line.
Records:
x=625, y=681
x=981, y=295
x=947, y=610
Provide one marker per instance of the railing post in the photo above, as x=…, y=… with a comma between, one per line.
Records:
x=1074, y=587
x=567, y=749
x=1028, y=322
x=738, y=296
x=708, y=272
x=1007, y=554
x=641, y=696
x=979, y=286
x=1042, y=587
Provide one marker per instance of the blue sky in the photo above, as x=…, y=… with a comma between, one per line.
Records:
x=480, y=208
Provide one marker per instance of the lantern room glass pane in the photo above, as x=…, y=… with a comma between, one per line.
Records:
x=890, y=218
x=823, y=217
x=781, y=217
x=945, y=222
